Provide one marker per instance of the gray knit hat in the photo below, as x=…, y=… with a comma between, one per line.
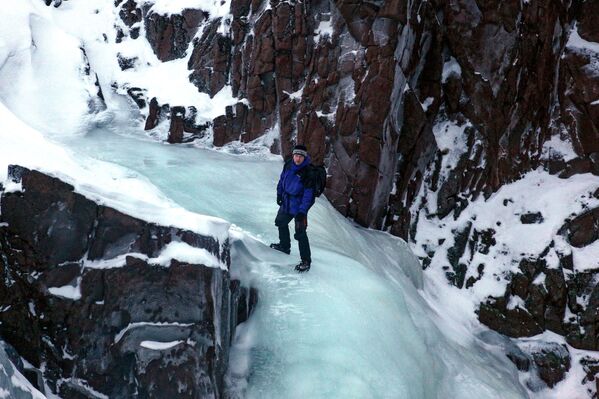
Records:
x=300, y=150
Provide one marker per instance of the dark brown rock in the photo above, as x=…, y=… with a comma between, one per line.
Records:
x=210, y=60
x=175, y=132
x=455, y=253
x=130, y=13
x=229, y=127
x=553, y=362
x=50, y=216
x=511, y=322
x=587, y=26
x=95, y=339
x=531, y=218
x=590, y=366
x=153, y=116
x=583, y=229
x=170, y=35
x=138, y=96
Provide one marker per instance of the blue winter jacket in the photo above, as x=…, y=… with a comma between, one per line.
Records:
x=296, y=197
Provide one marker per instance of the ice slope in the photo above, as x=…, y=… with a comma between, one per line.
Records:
x=355, y=326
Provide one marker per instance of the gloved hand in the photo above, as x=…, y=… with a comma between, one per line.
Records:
x=279, y=199
x=301, y=222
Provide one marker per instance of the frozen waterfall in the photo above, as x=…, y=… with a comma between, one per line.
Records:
x=355, y=326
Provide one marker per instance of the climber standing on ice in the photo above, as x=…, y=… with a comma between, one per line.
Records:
x=295, y=196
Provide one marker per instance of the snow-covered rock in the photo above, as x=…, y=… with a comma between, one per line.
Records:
x=91, y=296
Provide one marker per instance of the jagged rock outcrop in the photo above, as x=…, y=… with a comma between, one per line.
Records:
x=87, y=301
x=549, y=361
x=181, y=120
x=170, y=35
x=210, y=59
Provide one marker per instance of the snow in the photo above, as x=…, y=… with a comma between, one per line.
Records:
x=37, y=77
x=427, y=103
x=159, y=346
x=586, y=258
x=67, y=291
x=450, y=136
x=216, y=8
x=537, y=191
x=323, y=30
x=296, y=95
x=89, y=391
x=186, y=253
x=36, y=81
x=571, y=386
x=176, y=90
x=450, y=68
x=180, y=251
x=540, y=279
x=516, y=302
x=13, y=187
x=577, y=42
x=102, y=182
x=20, y=382
x=558, y=148
x=131, y=326
x=451, y=139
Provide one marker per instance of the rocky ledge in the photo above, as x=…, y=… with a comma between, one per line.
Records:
x=95, y=306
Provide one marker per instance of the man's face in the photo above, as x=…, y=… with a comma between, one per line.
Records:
x=298, y=159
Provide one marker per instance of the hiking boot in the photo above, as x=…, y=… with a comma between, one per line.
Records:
x=303, y=266
x=279, y=247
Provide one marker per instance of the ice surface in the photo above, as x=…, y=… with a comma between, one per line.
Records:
x=102, y=182
x=356, y=325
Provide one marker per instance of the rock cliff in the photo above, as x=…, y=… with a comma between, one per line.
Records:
x=95, y=304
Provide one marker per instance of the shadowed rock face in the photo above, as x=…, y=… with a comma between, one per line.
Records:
x=131, y=328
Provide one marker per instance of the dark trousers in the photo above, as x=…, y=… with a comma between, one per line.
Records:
x=282, y=222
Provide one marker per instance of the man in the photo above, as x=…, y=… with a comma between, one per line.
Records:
x=295, y=197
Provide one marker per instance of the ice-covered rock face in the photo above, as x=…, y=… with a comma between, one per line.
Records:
x=99, y=301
